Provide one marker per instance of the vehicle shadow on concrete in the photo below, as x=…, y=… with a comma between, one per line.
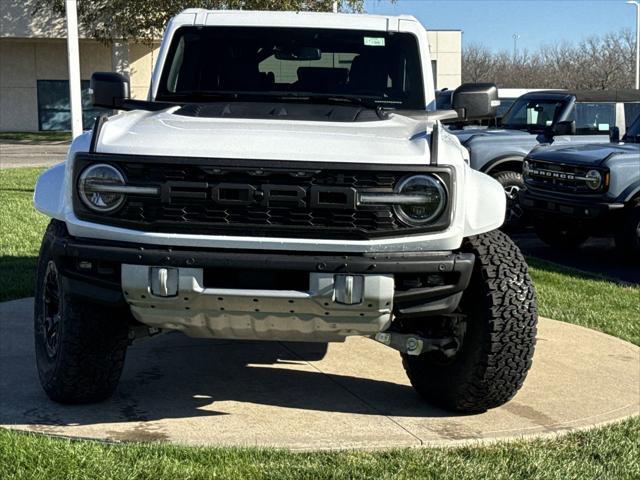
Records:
x=176, y=377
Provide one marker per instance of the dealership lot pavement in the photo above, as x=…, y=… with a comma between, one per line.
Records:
x=31, y=154
x=597, y=256
x=198, y=392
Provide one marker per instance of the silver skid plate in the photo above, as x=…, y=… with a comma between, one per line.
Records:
x=334, y=307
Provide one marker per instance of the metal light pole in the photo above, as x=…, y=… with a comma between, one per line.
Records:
x=637, y=4
x=335, y=7
x=73, y=53
x=515, y=44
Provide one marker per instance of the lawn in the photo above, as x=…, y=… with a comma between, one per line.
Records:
x=612, y=452
x=21, y=228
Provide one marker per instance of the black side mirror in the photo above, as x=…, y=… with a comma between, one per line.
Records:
x=476, y=101
x=614, y=134
x=567, y=127
x=109, y=90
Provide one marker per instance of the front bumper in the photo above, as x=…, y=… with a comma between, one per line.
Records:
x=264, y=295
x=541, y=204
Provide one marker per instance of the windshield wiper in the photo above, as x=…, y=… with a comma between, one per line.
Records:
x=369, y=102
x=191, y=95
x=366, y=101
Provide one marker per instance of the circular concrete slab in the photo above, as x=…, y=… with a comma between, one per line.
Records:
x=199, y=392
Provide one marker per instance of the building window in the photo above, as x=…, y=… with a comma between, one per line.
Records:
x=434, y=69
x=54, y=110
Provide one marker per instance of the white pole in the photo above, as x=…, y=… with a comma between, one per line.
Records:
x=335, y=7
x=637, y=4
x=73, y=53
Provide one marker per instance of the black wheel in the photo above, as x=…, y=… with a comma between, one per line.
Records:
x=499, y=308
x=628, y=237
x=80, y=349
x=559, y=236
x=513, y=184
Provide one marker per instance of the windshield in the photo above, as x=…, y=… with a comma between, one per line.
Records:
x=505, y=105
x=299, y=64
x=532, y=115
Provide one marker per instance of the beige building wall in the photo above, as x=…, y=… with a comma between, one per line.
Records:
x=446, y=51
x=25, y=61
x=33, y=47
x=142, y=59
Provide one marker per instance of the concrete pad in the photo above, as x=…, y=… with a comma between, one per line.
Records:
x=24, y=153
x=199, y=392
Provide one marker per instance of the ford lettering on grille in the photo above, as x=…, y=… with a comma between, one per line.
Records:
x=266, y=195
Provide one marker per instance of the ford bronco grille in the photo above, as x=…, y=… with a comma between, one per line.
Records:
x=558, y=177
x=258, y=198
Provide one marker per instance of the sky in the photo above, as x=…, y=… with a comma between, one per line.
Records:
x=494, y=22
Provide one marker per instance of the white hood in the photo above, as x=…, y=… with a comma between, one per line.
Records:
x=399, y=140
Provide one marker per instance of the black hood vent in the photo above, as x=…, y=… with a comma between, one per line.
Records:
x=279, y=111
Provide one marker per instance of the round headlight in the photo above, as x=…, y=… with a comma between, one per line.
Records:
x=594, y=179
x=426, y=199
x=93, y=187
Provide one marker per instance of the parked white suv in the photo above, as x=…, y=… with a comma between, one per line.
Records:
x=287, y=179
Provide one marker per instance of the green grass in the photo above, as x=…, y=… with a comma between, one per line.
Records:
x=608, y=453
x=36, y=136
x=572, y=296
x=21, y=228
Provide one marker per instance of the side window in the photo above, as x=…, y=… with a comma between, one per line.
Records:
x=54, y=109
x=594, y=118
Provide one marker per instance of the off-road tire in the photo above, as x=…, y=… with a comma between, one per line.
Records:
x=82, y=361
x=512, y=183
x=559, y=236
x=497, y=348
x=627, y=240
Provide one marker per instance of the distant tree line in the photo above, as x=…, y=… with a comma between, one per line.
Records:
x=596, y=63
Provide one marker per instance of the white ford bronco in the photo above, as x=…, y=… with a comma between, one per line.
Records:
x=287, y=179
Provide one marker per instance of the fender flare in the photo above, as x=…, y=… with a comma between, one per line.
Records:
x=48, y=196
x=513, y=157
x=630, y=192
x=486, y=206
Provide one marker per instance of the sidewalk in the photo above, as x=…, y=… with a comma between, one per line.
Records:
x=191, y=391
x=27, y=153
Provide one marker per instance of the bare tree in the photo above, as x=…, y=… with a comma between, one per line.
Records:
x=597, y=62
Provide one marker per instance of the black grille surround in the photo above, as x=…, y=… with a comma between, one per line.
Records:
x=561, y=177
x=186, y=185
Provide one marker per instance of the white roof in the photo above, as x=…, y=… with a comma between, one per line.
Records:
x=249, y=18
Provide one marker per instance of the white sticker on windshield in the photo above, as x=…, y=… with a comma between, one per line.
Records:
x=374, y=41
x=603, y=127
